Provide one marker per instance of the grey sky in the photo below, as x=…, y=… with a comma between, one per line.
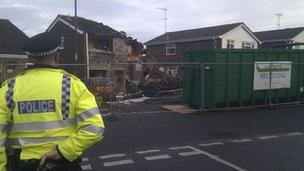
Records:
x=142, y=20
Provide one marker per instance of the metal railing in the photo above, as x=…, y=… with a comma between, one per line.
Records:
x=134, y=88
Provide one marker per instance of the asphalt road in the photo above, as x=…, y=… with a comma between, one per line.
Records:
x=237, y=140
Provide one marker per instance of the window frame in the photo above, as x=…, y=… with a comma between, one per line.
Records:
x=173, y=46
x=249, y=45
x=230, y=44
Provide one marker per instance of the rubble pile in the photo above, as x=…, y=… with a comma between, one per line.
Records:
x=157, y=81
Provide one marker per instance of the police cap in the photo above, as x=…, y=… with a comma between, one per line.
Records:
x=42, y=44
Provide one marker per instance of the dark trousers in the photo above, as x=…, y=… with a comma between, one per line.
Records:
x=31, y=165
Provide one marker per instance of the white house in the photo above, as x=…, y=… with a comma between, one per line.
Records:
x=239, y=38
x=282, y=37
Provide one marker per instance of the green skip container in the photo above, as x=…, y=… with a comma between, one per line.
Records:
x=230, y=78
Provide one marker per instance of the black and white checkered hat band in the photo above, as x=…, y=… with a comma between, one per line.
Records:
x=46, y=53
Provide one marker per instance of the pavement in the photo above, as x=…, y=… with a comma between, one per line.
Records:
x=260, y=139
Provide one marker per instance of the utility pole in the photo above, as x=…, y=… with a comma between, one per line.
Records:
x=165, y=10
x=279, y=15
x=76, y=23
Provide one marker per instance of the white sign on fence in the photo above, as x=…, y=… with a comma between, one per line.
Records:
x=138, y=67
x=280, y=71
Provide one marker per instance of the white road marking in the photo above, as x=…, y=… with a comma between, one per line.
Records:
x=211, y=144
x=111, y=156
x=156, y=157
x=159, y=157
x=196, y=151
x=148, y=151
x=192, y=151
x=179, y=147
x=85, y=159
x=117, y=163
x=268, y=137
x=240, y=141
x=86, y=167
x=293, y=134
x=216, y=158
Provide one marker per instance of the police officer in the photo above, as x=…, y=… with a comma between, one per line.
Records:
x=53, y=116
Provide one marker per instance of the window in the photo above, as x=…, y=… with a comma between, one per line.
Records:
x=170, y=49
x=61, y=47
x=247, y=45
x=172, y=71
x=230, y=44
x=298, y=46
x=295, y=47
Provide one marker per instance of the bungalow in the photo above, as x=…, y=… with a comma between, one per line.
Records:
x=11, y=53
x=282, y=37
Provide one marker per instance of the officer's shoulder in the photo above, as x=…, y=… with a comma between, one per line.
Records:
x=12, y=78
x=75, y=78
x=8, y=80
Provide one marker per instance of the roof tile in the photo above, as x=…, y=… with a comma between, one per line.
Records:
x=279, y=35
x=11, y=38
x=92, y=27
x=193, y=34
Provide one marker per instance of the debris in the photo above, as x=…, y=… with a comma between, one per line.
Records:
x=156, y=82
x=136, y=100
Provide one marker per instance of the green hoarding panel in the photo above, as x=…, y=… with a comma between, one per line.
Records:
x=191, y=79
x=229, y=78
x=186, y=78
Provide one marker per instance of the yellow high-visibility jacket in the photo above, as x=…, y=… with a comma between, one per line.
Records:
x=48, y=107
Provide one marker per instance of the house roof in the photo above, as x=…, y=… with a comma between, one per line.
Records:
x=88, y=26
x=205, y=33
x=279, y=35
x=11, y=38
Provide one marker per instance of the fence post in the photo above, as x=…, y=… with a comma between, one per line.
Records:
x=270, y=81
x=202, y=87
x=112, y=116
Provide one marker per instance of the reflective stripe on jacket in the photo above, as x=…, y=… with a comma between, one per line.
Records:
x=49, y=108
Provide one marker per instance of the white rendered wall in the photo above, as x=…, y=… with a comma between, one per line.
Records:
x=239, y=35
